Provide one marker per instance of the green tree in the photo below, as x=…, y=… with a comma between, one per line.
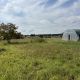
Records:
x=7, y=31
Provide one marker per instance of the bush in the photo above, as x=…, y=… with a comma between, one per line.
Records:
x=2, y=49
x=38, y=39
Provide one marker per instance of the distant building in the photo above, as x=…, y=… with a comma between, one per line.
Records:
x=71, y=35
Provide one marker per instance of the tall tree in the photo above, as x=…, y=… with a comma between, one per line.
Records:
x=7, y=31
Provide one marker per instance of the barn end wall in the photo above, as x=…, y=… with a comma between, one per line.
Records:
x=73, y=35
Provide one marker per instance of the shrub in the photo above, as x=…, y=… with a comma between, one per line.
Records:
x=38, y=39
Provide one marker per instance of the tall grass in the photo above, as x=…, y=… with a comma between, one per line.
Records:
x=38, y=39
x=51, y=60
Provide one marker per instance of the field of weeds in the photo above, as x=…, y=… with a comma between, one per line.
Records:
x=40, y=59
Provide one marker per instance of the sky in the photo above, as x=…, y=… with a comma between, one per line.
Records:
x=41, y=16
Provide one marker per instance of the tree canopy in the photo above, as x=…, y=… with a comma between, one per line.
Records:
x=8, y=31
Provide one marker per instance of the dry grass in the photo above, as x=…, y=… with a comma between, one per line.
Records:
x=51, y=60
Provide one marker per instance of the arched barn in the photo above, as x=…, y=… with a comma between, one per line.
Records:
x=71, y=35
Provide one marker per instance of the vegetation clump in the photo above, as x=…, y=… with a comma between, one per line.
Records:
x=2, y=49
x=38, y=39
x=8, y=32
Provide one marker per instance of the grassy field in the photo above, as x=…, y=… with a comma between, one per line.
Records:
x=28, y=59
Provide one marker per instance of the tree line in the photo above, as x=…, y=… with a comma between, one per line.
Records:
x=9, y=31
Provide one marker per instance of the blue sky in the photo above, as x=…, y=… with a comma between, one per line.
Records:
x=41, y=16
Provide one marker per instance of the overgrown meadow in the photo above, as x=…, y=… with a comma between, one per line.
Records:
x=39, y=59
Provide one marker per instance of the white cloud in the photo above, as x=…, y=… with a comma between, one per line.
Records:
x=35, y=18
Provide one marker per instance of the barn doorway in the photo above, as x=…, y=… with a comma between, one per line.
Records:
x=68, y=37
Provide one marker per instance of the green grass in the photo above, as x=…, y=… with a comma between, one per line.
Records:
x=27, y=59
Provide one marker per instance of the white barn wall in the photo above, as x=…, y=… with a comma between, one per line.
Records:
x=73, y=35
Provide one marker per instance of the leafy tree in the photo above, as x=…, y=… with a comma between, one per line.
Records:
x=18, y=35
x=7, y=31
